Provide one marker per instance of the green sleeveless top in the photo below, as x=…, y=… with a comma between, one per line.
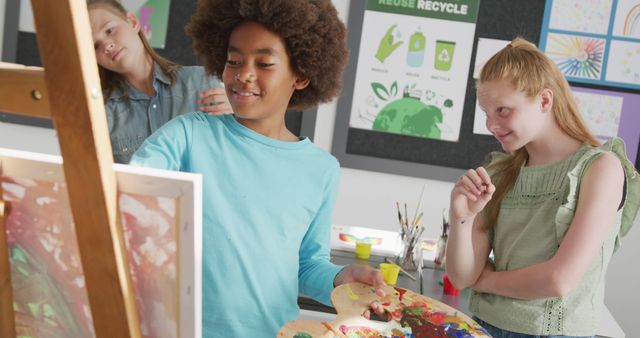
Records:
x=534, y=217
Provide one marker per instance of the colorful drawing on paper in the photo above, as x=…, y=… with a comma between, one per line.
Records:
x=49, y=294
x=604, y=104
x=412, y=315
x=576, y=56
x=624, y=62
x=588, y=16
x=627, y=20
x=50, y=297
x=366, y=239
x=150, y=231
x=632, y=22
x=601, y=112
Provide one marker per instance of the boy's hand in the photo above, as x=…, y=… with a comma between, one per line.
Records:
x=471, y=193
x=214, y=101
x=367, y=275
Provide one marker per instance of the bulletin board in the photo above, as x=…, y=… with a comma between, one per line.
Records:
x=21, y=47
x=363, y=140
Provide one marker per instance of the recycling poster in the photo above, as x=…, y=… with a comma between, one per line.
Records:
x=413, y=65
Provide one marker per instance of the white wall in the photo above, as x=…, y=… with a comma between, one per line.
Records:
x=368, y=199
x=40, y=140
x=622, y=294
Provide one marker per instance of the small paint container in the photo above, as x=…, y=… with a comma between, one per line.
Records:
x=390, y=273
x=448, y=288
x=363, y=250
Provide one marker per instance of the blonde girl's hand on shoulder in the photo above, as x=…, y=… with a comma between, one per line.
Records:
x=471, y=193
x=214, y=101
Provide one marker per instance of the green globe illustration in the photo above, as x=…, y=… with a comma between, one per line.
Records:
x=409, y=116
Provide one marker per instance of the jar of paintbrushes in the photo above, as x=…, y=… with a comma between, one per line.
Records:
x=411, y=230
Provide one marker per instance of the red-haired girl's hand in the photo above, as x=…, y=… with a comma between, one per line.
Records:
x=471, y=193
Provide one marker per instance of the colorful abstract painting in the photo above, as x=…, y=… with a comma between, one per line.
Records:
x=150, y=232
x=50, y=299
x=411, y=316
x=49, y=294
x=577, y=56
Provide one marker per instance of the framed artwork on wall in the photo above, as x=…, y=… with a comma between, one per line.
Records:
x=596, y=42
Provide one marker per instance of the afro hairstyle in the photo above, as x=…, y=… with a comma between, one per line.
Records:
x=314, y=36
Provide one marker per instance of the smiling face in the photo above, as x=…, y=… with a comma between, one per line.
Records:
x=258, y=76
x=512, y=117
x=116, y=41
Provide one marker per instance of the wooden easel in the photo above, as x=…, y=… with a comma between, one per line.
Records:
x=68, y=91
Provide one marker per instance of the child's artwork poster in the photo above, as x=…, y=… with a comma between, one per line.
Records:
x=154, y=19
x=594, y=41
x=611, y=114
x=413, y=66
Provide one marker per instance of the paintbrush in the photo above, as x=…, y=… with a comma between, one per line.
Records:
x=415, y=216
x=402, y=230
x=406, y=216
x=418, y=220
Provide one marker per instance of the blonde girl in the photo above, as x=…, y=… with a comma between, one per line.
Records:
x=142, y=89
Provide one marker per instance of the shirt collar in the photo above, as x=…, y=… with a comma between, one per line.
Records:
x=158, y=76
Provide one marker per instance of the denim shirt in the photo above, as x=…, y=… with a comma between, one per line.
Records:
x=133, y=119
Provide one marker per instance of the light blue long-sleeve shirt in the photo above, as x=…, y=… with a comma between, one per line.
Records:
x=132, y=119
x=267, y=211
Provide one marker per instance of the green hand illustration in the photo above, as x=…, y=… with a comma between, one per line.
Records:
x=387, y=46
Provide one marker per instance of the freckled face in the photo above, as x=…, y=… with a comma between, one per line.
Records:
x=512, y=117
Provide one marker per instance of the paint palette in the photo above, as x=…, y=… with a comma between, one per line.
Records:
x=412, y=316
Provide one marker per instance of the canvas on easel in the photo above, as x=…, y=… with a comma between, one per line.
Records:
x=161, y=219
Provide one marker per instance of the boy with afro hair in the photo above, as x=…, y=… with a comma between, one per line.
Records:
x=268, y=195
